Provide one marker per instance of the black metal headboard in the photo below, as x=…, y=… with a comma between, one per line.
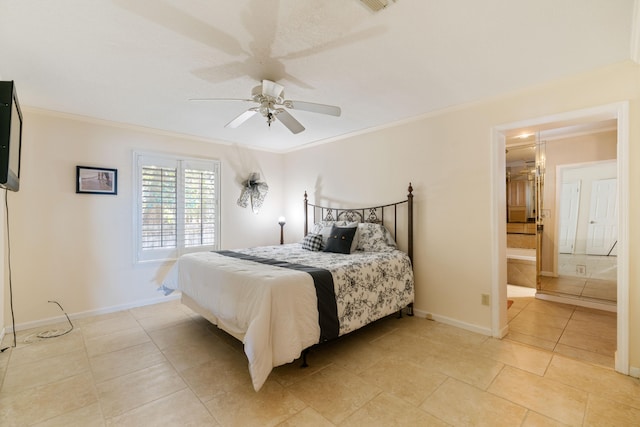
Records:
x=375, y=214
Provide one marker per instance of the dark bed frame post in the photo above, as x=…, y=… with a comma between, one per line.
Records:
x=306, y=215
x=410, y=222
x=410, y=239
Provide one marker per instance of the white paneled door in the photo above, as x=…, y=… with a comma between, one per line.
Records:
x=569, y=205
x=602, y=232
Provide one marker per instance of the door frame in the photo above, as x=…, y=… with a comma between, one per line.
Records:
x=618, y=111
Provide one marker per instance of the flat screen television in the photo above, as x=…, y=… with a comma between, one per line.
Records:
x=10, y=136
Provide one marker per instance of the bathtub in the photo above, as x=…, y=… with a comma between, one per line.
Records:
x=522, y=254
x=521, y=267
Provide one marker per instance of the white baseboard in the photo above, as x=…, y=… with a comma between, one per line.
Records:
x=453, y=322
x=634, y=372
x=89, y=313
x=421, y=313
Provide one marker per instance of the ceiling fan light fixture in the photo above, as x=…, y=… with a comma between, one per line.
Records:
x=270, y=97
x=272, y=89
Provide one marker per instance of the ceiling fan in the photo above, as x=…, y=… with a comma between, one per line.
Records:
x=271, y=104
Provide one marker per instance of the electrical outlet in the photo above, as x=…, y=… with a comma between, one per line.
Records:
x=485, y=299
x=581, y=269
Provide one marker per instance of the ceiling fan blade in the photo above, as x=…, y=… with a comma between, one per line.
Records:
x=289, y=121
x=243, y=117
x=220, y=99
x=272, y=89
x=332, y=110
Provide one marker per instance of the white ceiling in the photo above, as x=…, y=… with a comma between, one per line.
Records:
x=139, y=61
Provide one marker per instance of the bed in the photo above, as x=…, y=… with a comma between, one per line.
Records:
x=347, y=272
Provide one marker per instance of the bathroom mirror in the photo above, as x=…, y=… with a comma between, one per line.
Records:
x=577, y=253
x=522, y=208
x=521, y=192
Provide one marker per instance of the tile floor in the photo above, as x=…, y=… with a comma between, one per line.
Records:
x=589, y=277
x=581, y=333
x=163, y=365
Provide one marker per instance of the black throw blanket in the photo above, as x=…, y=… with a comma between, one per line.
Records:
x=323, y=281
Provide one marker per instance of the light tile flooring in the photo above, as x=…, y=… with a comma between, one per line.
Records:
x=581, y=333
x=586, y=276
x=163, y=365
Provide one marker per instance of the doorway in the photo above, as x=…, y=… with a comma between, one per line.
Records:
x=585, y=264
x=617, y=112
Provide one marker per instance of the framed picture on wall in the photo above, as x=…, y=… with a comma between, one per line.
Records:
x=96, y=180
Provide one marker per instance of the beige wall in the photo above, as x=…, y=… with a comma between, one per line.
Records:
x=78, y=248
x=448, y=157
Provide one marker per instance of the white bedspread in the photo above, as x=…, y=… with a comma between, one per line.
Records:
x=274, y=310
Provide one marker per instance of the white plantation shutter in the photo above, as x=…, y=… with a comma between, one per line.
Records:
x=177, y=209
x=159, y=208
x=200, y=208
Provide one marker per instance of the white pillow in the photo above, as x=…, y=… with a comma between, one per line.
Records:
x=324, y=228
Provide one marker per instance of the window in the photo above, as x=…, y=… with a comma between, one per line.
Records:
x=177, y=207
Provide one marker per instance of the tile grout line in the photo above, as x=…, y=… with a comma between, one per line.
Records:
x=573, y=310
x=94, y=385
